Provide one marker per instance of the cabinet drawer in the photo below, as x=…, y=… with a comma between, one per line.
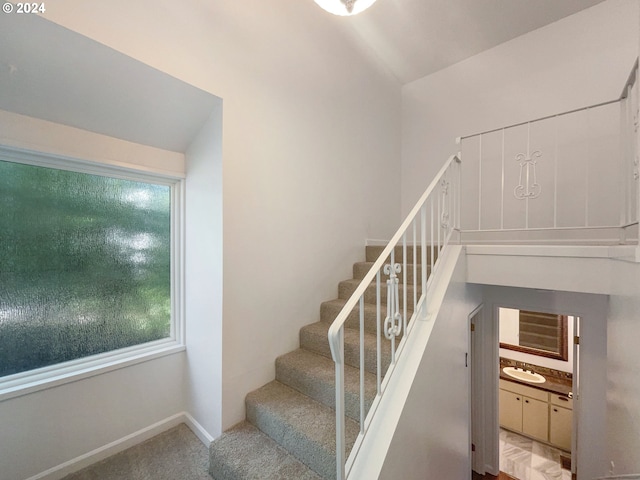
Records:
x=561, y=400
x=524, y=390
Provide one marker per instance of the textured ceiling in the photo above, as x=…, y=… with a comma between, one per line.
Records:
x=414, y=38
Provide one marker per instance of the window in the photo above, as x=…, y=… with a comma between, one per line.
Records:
x=87, y=263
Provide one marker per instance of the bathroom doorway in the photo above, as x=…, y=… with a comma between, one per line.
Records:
x=538, y=375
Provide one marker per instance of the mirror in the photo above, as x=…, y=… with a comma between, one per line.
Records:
x=536, y=333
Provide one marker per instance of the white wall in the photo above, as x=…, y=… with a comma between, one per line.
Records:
x=431, y=439
x=577, y=61
x=43, y=430
x=592, y=418
x=623, y=371
x=203, y=276
x=623, y=368
x=311, y=137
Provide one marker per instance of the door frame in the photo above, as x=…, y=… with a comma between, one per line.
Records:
x=476, y=321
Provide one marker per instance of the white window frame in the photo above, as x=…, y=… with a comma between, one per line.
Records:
x=23, y=383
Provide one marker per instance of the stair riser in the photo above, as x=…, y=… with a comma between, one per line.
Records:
x=360, y=269
x=372, y=252
x=320, y=345
x=244, y=452
x=346, y=289
x=329, y=312
x=315, y=456
x=320, y=391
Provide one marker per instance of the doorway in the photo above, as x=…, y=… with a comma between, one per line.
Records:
x=538, y=373
x=589, y=402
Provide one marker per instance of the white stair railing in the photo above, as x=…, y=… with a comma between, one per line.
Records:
x=425, y=232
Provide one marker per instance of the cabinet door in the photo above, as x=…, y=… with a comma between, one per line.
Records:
x=535, y=418
x=560, y=427
x=511, y=410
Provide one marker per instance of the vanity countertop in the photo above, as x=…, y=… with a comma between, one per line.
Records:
x=549, y=386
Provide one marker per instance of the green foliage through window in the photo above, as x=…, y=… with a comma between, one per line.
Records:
x=84, y=265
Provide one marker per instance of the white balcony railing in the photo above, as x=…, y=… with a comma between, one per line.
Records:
x=576, y=170
x=426, y=231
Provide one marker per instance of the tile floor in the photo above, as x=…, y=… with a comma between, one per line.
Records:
x=526, y=459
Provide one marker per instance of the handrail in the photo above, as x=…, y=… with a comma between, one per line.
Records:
x=447, y=216
x=338, y=323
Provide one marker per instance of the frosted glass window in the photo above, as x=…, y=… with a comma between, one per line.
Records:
x=85, y=265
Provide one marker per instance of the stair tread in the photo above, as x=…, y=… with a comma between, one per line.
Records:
x=314, y=375
x=409, y=264
x=339, y=303
x=314, y=337
x=245, y=453
x=346, y=288
x=372, y=252
x=383, y=284
x=303, y=426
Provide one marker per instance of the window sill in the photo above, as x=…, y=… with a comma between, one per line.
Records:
x=26, y=383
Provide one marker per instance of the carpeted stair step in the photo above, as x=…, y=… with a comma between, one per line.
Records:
x=372, y=252
x=290, y=428
x=304, y=427
x=314, y=338
x=360, y=269
x=347, y=287
x=314, y=376
x=329, y=311
x=245, y=453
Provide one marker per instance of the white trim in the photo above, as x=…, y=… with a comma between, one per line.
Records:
x=30, y=381
x=60, y=471
x=374, y=242
x=64, y=162
x=576, y=251
x=199, y=431
x=24, y=383
x=476, y=399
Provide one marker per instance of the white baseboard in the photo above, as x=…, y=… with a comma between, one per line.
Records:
x=199, y=431
x=374, y=242
x=60, y=471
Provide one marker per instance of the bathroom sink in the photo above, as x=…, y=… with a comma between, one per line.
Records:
x=524, y=375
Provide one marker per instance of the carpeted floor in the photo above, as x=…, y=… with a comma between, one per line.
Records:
x=176, y=454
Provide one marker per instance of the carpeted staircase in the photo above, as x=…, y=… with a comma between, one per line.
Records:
x=289, y=431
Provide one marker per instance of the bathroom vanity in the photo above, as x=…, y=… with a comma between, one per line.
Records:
x=543, y=412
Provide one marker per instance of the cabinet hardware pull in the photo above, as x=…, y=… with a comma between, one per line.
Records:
x=555, y=409
x=526, y=401
x=518, y=398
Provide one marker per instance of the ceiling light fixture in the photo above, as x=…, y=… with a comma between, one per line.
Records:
x=345, y=7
